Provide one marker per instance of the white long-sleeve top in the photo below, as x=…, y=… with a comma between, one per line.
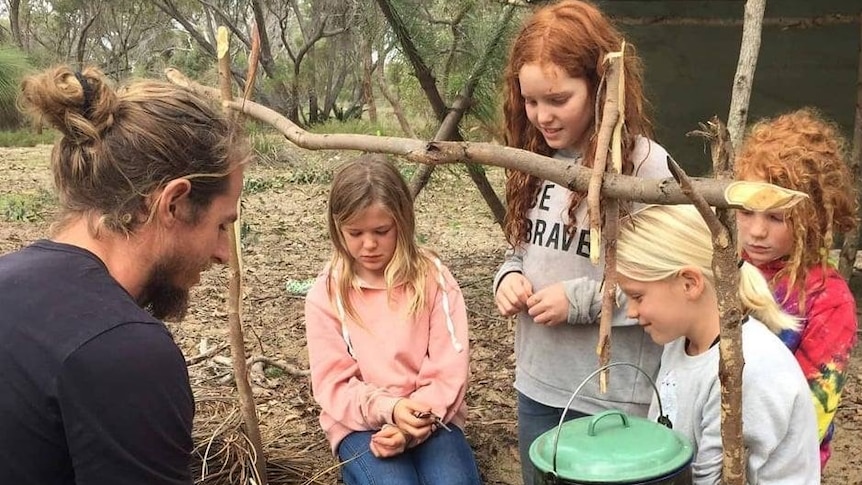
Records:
x=779, y=424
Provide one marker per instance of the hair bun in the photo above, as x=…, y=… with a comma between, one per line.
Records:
x=80, y=105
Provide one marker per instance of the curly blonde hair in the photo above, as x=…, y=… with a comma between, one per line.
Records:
x=804, y=151
x=574, y=35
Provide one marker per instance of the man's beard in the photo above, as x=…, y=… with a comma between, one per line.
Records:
x=163, y=298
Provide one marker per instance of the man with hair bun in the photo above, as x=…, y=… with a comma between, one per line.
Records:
x=95, y=391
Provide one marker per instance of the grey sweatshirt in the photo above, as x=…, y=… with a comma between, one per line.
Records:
x=551, y=361
x=779, y=425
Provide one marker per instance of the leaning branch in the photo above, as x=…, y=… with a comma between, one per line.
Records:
x=237, y=341
x=726, y=277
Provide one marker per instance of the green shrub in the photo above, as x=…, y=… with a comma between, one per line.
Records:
x=26, y=207
x=358, y=127
x=26, y=138
x=253, y=185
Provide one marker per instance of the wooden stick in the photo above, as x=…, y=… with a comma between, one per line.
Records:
x=731, y=361
x=610, y=115
x=744, y=78
x=237, y=341
x=609, y=141
x=190, y=361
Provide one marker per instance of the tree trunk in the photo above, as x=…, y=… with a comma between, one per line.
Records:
x=744, y=79
x=313, y=110
x=266, y=59
x=423, y=72
x=15, y=22
x=851, y=241
x=395, y=103
x=448, y=129
x=82, y=41
x=333, y=89
x=367, y=87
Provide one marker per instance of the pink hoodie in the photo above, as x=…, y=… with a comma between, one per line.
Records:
x=424, y=357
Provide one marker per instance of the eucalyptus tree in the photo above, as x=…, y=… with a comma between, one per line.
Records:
x=131, y=36
x=14, y=8
x=57, y=30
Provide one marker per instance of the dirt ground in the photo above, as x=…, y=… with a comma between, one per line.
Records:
x=285, y=239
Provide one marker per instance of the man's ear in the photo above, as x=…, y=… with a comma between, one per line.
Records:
x=693, y=281
x=173, y=201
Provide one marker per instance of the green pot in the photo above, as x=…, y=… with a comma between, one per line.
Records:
x=611, y=448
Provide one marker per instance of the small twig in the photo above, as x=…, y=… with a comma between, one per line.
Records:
x=288, y=368
x=715, y=226
x=190, y=361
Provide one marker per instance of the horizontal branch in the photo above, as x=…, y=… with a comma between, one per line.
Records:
x=575, y=177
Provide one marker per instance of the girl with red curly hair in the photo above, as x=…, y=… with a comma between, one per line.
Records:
x=554, y=80
x=803, y=151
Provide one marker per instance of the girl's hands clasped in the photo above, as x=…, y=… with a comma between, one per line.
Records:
x=548, y=306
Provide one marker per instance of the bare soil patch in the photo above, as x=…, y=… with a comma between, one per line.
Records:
x=285, y=239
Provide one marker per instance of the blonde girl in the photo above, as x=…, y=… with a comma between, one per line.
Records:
x=387, y=340
x=665, y=268
x=805, y=152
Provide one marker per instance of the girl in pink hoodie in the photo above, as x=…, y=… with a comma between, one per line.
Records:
x=387, y=338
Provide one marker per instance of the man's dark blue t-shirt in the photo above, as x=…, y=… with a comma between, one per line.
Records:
x=93, y=389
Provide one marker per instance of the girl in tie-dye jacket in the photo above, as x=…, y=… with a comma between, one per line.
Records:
x=803, y=151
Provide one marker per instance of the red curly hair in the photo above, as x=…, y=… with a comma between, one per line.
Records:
x=576, y=36
x=804, y=151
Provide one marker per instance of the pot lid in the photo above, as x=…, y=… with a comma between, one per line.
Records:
x=611, y=447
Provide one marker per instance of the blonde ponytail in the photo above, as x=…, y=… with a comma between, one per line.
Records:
x=755, y=295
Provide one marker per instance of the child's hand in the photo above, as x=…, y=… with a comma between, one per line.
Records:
x=406, y=414
x=549, y=306
x=512, y=294
x=389, y=441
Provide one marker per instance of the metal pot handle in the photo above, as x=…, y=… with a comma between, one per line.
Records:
x=591, y=429
x=662, y=419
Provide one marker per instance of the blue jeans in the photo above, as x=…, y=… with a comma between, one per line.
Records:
x=443, y=459
x=535, y=418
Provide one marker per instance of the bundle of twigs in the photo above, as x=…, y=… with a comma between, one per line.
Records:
x=223, y=455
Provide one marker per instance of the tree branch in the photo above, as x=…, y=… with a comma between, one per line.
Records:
x=575, y=177
x=744, y=78
x=237, y=340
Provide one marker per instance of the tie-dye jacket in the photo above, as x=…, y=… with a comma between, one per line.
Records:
x=824, y=340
